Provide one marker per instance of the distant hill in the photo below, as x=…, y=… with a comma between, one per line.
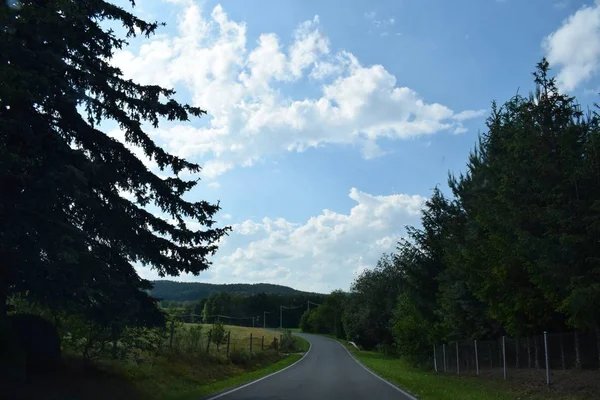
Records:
x=191, y=291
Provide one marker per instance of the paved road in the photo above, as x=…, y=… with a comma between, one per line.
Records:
x=327, y=371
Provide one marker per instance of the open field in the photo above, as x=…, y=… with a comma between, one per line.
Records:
x=240, y=332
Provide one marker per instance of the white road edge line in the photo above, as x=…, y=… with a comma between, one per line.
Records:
x=260, y=379
x=408, y=395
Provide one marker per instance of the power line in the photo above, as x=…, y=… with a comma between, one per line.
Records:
x=281, y=313
x=308, y=302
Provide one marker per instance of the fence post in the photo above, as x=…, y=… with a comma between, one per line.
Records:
x=172, y=332
x=577, y=352
x=228, y=341
x=457, y=360
x=444, y=354
x=208, y=341
x=504, y=355
x=251, y=342
x=476, y=358
x=262, y=343
x=547, y=363
x=434, y=360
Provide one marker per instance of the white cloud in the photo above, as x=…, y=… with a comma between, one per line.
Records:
x=214, y=185
x=575, y=47
x=251, y=116
x=380, y=24
x=469, y=114
x=320, y=254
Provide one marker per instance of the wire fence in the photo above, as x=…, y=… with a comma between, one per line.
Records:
x=195, y=338
x=506, y=357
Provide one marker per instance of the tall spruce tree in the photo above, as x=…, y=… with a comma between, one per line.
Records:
x=66, y=233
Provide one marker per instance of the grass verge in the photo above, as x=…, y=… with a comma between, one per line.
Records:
x=429, y=385
x=218, y=386
x=302, y=344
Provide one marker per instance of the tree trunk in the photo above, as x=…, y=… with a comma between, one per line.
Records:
x=115, y=339
x=528, y=354
x=598, y=344
x=562, y=352
x=3, y=308
x=518, y=365
x=577, y=352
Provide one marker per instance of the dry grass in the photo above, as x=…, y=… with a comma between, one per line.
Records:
x=173, y=374
x=242, y=332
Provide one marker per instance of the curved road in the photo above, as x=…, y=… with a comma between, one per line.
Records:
x=327, y=371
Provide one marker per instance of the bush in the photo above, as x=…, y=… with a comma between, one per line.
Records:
x=194, y=338
x=387, y=349
x=288, y=342
x=218, y=335
x=240, y=356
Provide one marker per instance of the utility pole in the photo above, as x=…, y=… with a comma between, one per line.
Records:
x=281, y=313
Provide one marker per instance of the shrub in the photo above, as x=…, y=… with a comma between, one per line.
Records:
x=218, y=335
x=288, y=342
x=240, y=356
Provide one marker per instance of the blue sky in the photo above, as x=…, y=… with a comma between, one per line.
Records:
x=329, y=122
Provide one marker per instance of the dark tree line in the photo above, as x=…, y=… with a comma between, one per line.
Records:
x=238, y=309
x=192, y=291
x=513, y=250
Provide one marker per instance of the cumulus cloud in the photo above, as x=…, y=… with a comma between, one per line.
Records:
x=574, y=48
x=244, y=87
x=321, y=254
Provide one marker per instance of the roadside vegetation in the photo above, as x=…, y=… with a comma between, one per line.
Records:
x=508, y=249
x=80, y=205
x=429, y=385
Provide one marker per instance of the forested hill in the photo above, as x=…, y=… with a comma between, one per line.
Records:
x=192, y=291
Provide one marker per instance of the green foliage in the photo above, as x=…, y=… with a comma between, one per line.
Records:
x=512, y=251
x=240, y=356
x=326, y=318
x=68, y=236
x=218, y=336
x=288, y=342
x=369, y=308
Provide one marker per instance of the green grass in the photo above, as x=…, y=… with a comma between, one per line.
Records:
x=429, y=385
x=302, y=344
x=235, y=381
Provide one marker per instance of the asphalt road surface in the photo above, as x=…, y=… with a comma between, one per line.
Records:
x=327, y=371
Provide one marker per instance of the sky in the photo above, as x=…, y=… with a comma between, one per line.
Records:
x=330, y=122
